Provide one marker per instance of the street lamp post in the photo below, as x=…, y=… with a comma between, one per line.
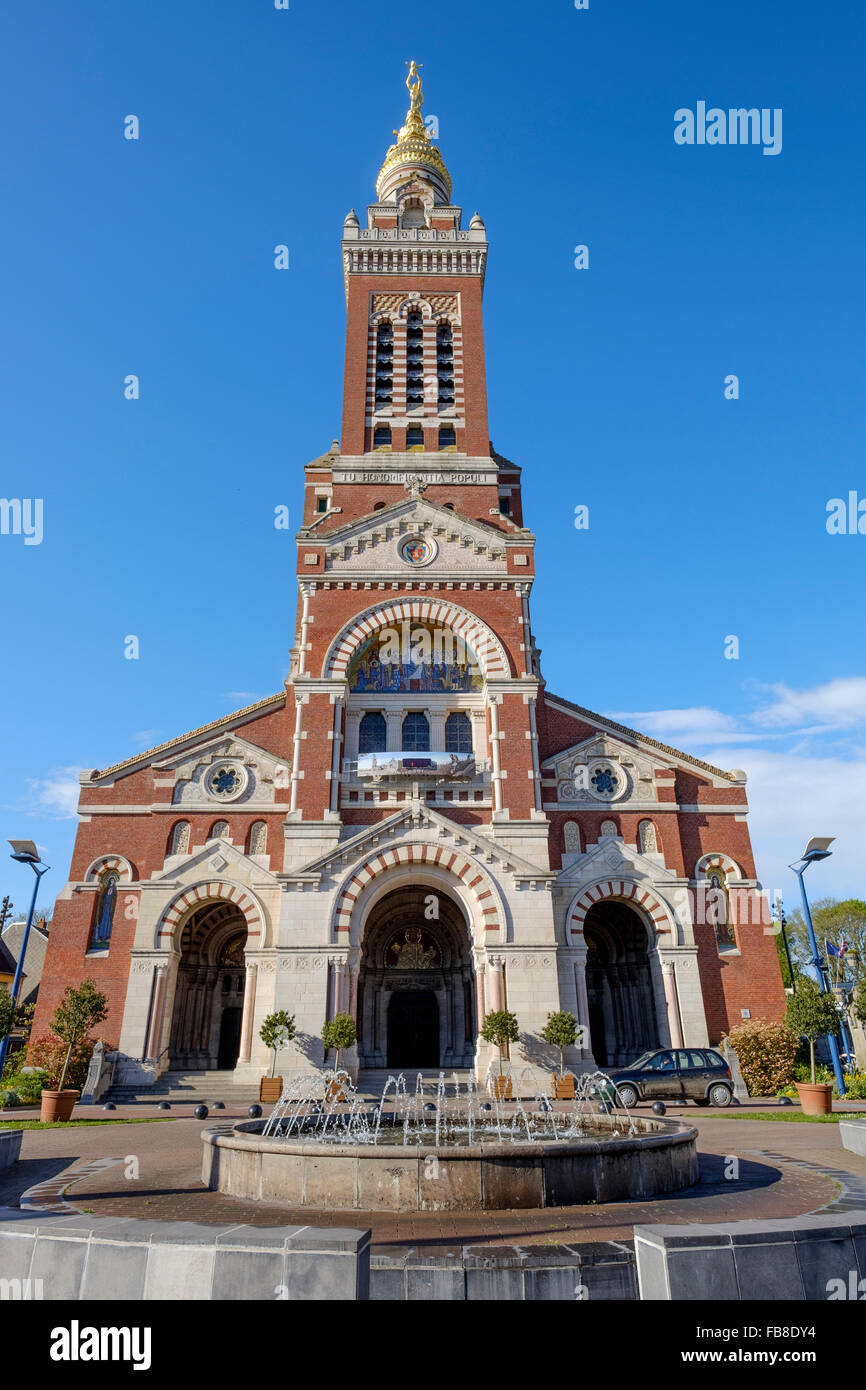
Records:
x=25, y=852
x=818, y=848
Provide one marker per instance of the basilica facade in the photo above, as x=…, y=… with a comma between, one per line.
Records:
x=414, y=830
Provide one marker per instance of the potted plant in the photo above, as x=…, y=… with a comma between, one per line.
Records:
x=78, y=1011
x=501, y=1028
x=560, y=1031
x=812, y=1014
x=276, y=1032
x=338, y=1033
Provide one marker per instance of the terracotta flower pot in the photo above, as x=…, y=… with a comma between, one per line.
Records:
x=58, y=1105
x=502, y=1088
x=270, y=1089
x=815, y=1099
x=335, y=1094
x=563, y=1087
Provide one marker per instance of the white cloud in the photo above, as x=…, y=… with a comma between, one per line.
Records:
x=684, y=727
x=836, y=704
x=792, y=797
x=56, y=795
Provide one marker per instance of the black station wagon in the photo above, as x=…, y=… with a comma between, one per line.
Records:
x=678, y=1074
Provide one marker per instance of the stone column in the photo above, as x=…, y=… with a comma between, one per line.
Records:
x=296, y=755
x=338, y=966
x=437, y=730
x=670, y=980
x=249, y=1010
x=582, y=1005
x=394, y=730
x=496, y=991
x=336, y=761
x=480, y=1010
x=494, y=754
x=154, y=1037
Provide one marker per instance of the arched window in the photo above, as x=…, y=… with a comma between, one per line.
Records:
x=415, y=437
x=379, y=506
x=179, y=839
x=719, y=911
x=416, y=733
x=258, y=837
x=572, y=837
x=372, y=734
x=382, y=437
x=106, y=902
x=445, y=364
x=458, y=734
x=447, y=437
x=219, y=830
x=384, y=364
x=414, y=360
x=413, y=213
x=647, y=839
x=608, y=827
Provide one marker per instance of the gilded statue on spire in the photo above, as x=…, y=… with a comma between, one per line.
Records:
x=416, y=91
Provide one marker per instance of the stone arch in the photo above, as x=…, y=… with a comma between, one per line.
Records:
x=716, y=860
x=491, y=654
x=213, y=890
x=630, y=892
x=122, y=867
x=415, y=306
x=455, y=871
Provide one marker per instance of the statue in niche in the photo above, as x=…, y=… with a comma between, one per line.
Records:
x=411, y=953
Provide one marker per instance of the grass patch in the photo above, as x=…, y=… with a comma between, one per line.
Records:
x=81, y=1124
x=790, y=1117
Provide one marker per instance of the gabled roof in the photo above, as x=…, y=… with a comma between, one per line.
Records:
x=409, y=505
x=150, y=753
x=604, y=723
x=421, y=815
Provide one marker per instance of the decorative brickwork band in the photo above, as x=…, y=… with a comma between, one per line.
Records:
x=435, y=856
x=627, y=890
x=214, y=891
x=475, y=633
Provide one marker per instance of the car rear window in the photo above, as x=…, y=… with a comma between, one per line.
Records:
x=715, y=1059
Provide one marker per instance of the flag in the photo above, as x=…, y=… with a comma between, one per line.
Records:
x=832, y=950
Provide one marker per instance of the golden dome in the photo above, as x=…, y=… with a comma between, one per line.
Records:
x=414, y=145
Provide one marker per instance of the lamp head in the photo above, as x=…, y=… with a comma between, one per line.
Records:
x=818, y=848
x=25, y=852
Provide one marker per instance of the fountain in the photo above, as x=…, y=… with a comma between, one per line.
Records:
x=438, y=1147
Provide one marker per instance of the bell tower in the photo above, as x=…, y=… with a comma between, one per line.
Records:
x=413, y=534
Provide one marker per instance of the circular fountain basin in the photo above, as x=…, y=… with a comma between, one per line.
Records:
x=602, y=1165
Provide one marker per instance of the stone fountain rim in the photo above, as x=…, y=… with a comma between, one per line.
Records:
x=656, y=1134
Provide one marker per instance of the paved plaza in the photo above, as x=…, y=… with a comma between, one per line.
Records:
x=153, y=1171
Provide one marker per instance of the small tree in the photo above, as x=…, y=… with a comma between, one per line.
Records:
x=277, y=1032
x=812, y=1014
x=500, y=1028
x=338, y=1033
x=7, y=1012
x=79, y=1010
x=860, y=1002
x=560, y=1031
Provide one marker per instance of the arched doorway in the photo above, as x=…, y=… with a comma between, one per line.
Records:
x=416, y=995
x=619, y=984
x=209, y=994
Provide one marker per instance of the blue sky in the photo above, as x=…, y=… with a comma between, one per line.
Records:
x=258, y=127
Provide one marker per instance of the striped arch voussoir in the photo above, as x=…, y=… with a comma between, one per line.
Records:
x=710, y=863
x=435, y=857
x=475, y=633
x=215, y=891
x=627, y=891
x=106, y=862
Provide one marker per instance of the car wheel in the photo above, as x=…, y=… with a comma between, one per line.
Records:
x=720, y=1095
x=628, y=1095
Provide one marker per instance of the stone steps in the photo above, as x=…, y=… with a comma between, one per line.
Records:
x=193, y=1087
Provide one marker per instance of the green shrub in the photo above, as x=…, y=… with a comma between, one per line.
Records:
x=500, y=1028
x=812, y=1014
x=338, y=1033
x=276, y=1032
x=766, y=1053
x=560, y=1031
x=49, y=1053
x=9, y=1099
